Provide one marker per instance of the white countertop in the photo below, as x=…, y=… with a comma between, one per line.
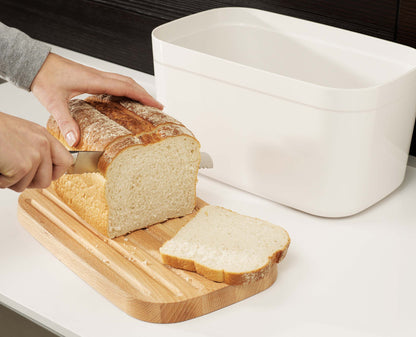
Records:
x=341, y=277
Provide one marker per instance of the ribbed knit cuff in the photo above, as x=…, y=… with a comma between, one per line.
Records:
x=21, y=57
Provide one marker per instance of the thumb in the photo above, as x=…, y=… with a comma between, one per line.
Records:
x=68, y=126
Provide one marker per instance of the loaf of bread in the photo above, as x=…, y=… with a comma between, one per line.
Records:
x=148, y=171
x=225, y=246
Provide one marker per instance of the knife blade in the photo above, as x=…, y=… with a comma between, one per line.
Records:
x=84, y=162
x=206, y=161
x=87, y=161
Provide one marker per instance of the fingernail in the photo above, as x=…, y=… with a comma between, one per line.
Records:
x=70, y=138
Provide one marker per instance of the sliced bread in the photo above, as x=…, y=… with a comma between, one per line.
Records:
x=148, y=171
x=225, y=246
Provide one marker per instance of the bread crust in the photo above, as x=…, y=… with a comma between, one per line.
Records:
x=97, y=130
x=126, y=118
x=152, y=115
x=106, y=125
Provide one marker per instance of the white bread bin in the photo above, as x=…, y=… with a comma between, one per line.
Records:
x=314, y=117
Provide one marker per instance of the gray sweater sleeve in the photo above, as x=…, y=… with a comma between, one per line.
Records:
x=21, y=57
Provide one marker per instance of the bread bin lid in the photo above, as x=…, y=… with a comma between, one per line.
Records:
x=289, y=58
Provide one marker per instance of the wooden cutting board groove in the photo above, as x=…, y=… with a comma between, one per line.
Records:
x=128, y=270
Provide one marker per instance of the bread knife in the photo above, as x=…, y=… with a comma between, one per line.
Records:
x=84, y=162
x=87, y=161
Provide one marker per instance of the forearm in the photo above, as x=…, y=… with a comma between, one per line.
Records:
x=21, y=57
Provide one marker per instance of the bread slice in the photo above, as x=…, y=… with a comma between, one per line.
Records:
x=225, y=246
x=148, y=171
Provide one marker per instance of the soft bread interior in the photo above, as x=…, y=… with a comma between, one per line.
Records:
x=222, y=240
x=151, y=183
x=85, y=194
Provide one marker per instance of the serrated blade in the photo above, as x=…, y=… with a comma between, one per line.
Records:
x=206, y=161
x=84, y=162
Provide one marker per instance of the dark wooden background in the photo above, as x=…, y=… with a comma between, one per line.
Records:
x=120, y=31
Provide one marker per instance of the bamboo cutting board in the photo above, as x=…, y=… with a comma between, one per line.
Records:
x=128, y=270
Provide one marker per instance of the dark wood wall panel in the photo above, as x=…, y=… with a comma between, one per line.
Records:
x=119, y=31
x=406, y=23
x=376, y=18
x=366, y=13
x=406, y=34
x=106, y=32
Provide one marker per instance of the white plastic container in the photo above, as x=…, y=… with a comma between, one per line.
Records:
x=311, y=116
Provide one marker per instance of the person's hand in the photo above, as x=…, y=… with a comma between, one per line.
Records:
x=60, y=79
x=29, y=155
